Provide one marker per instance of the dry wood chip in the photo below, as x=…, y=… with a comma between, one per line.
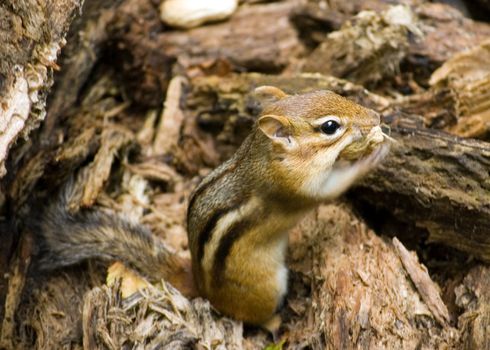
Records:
x=473, y=296
x=131, y=282
x=96, y=173
x=168, y=321
x=427, y=289
x=146, y=134
x=154, y=170
x=78, y=147
x=171, y=120
x=16, y=285
x=27, y=178
x=467, y=76
x=344, y=312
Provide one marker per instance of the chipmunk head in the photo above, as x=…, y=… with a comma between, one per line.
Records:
x=320, y=142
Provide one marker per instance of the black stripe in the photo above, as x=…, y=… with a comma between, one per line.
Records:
x=237, y=230
x=206, y=233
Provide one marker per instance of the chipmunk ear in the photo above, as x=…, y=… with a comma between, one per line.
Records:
x=267, y=94
x=278, y=129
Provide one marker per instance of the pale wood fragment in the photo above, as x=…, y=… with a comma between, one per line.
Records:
x=427, y=289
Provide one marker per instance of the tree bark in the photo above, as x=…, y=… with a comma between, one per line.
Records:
x=32, y=34
x=366, y=292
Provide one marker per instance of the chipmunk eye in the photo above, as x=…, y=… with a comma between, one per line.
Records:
x=330, y=127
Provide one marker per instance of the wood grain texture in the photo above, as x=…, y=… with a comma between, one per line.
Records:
x=436, y=181
x=32, y=34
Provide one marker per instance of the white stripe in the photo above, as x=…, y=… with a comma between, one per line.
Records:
x=221, y=228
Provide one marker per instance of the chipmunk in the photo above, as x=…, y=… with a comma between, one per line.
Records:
x=303, y=150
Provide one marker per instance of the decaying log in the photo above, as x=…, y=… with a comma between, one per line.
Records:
x=467, y=77
x=437, y=21
x=17, y=281
x=362, y=294
x=151, y=53
x=368, y=47
x=85, y=41
x=423, y=283
x=255, y=44
x=86, y=138
x=148, y=54
x=155, y=318
x=473, y=296
x=458, y=99
x=32, y=34
x=56, y=319
x=350, y=287
x=441, y=22
x=435, y=180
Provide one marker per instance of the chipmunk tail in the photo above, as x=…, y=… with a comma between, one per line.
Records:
x=66, y=238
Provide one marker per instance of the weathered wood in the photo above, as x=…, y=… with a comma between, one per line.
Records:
x=85, y=42
x=441, y=22
x=367, y=48
x=426, y=288
x=257, y=37
x=438, y=22
x=362, y=293
x=437, y=181
x=473, y=297
x=17, y=281
x=466, y=76
x=32, y=34
x=155, y=318
x=34, y=48
x=256, y=44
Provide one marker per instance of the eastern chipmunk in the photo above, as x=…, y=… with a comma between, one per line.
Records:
x=303, y=150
